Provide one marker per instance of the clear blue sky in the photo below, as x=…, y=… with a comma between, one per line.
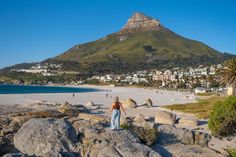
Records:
x=34, y=30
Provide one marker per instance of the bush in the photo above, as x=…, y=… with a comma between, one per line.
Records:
x=125, y=126
x=222, y=121
x=232, y=152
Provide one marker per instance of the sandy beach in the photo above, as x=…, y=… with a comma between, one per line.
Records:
x=104, y=98
x=159, y=98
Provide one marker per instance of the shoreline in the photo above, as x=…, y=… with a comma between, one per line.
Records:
x=162, y=98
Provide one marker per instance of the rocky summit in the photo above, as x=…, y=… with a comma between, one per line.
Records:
x=141, y=22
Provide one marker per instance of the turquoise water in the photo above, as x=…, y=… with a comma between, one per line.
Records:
x=22, y=89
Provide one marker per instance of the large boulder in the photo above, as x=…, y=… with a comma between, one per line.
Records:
x=169, y=134
x=139, y=118
x=41, y=136
x=188, y=121
x=180, y=150
x=148, y=103
x=15, y=155
x=88, y=128
x=68, y=109
x=129, y=103
x=116, y=143
x=165, y=117
x=91, y=105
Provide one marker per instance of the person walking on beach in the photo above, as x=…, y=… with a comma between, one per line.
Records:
x=115, y=117
x=73, y=95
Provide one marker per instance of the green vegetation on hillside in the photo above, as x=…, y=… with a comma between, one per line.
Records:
x=140, y=50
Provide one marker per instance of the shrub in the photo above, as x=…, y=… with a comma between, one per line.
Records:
x=222, y=121
x=232, y=152
x=125, y=126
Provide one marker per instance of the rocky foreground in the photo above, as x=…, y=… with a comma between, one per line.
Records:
x=67, y=130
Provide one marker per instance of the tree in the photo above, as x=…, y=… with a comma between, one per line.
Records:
x=228, y=75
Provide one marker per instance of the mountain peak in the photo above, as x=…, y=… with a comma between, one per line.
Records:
x=138, y=22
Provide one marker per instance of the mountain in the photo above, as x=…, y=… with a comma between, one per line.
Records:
x=141, y=44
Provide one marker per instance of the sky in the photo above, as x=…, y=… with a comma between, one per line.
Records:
x=34, y=30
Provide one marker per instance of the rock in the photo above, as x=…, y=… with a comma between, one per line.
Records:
x=180, y=150
x=68, y=109
x=117, y=143
x=37, y=114
x=91, y=105
x=2, y=142
x=129, y=103
x=164, y=117
x=148, y=118
x=146, y=133
x=41, y=136
x=188, y=121
x=15, y=155
x=201, y=139
x=7, y=131
x=94, y=117
x=148, y=103
x=88, y=128
x=141, y=22
x=169, y=134
x=139, y=118
x=123, y=121
x=21, y=119
x=82, y=109
x=4, y=121
x=65, y=104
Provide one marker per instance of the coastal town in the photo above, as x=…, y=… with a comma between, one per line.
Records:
x=201, y=78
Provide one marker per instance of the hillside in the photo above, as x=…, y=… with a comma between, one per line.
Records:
x=142, y=43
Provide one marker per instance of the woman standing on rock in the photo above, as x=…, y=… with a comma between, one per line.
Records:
x=115, y=117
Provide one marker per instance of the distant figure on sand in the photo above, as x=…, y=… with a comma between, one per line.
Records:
x=106, y=95
x=73, y=95
x=115, y=117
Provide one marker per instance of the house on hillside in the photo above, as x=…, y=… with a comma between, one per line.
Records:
x=200, y=90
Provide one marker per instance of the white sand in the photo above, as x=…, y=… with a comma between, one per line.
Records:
x=138, y=94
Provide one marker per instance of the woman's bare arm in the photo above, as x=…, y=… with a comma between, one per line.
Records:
x=112, y=107
x=122, y=108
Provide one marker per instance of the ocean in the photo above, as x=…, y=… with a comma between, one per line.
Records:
x=27, y=89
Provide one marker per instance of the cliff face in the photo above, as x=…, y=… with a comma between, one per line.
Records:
x=140, y=22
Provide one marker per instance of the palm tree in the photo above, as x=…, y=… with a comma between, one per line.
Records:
x=228, y=75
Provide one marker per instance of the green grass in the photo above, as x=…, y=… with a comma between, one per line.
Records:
x=201, y=109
